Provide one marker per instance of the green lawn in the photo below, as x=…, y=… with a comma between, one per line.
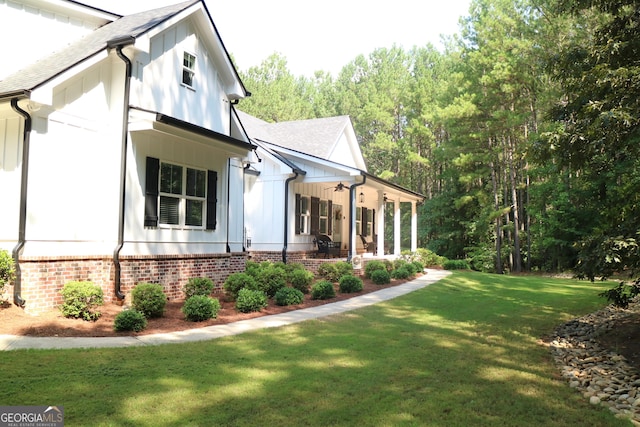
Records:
x=461, y=352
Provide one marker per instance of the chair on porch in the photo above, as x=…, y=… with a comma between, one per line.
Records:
x=369, y=246
x=327, y=246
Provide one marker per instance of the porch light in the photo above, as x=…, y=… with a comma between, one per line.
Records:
x=361, y=197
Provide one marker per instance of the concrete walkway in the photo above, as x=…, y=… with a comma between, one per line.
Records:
x=15, y=342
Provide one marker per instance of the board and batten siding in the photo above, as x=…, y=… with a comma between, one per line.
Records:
x=157, y=80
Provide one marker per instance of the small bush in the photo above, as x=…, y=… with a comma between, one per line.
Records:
x=200, y=307
x=289, y=296
x=456, y=264
x=419, y=266
x=622, y=295
x=249, y=300
x=344, y=268
x=323, y=290
x=329, y=271
x=149, y=299
x=7, y=269
x=292, y=267
x=411, y=268
x=380, y=277
x=401, y=273
x=129, y=320
x=350, y=284
x=270, y=279
x=198, y=286
x=301, y=280
x=372, y=266
x=252, y=268
x=237, y=281
x=79, y=299
x=429, y=258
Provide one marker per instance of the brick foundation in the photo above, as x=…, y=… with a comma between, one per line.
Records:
x=306, y=258
x=43, y=278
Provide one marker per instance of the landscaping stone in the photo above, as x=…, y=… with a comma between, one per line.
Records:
x=602, y=376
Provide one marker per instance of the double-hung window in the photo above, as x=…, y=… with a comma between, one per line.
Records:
x=303, y=215
x=182, y=195
x=188, y=69
x=324, y=216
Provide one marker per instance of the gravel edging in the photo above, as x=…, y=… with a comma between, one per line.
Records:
x=602, y=376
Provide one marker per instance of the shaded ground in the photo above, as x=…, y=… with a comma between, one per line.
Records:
x=14, y=321
x=624, y=339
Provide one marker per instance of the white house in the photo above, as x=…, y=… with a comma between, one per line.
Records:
x=121, y=160
x=308, y=179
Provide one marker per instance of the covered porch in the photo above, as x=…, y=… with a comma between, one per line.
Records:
x=359, y=214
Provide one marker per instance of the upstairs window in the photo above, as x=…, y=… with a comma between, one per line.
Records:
x=188, y=69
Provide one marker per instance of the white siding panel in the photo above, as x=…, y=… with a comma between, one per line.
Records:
x=10, y=176
x=34, y=27
x=158, y=84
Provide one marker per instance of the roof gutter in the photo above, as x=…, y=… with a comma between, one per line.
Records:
x=352, y=216
x=22, y=222
x=119, y=44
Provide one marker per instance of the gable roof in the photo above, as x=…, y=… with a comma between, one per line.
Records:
x=316, y=137
x=48, y=68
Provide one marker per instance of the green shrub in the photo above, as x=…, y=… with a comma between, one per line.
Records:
x=350, y=284
x=288, y=296
x=381, y=277
x=344, y=268
x=399, y=263
x=249, y=300
x=388, y=264
x=149, y=299
x=623, y=294
x=270, y=279
x=301, y=280
x=411, y=268
x=129, y=320
x=329, y=271
x=198, y=286
x=323, y=290
x=292, y=267
x=429, y=258
x=419, y=266
x=252, y=268
x=456, y=264
x=79, y=299
x=372, y=266
x=7, y=269
x=200, y=307
x=237, y=281
x=401, y=273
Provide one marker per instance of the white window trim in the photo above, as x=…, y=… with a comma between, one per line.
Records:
x=182, y=207
x=305, y=215
x=190, y=70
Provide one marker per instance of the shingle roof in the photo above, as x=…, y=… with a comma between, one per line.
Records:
x=316, y=137
x=45, y=69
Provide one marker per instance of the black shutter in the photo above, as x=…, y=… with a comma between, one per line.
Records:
x=365, y=221
x=151, y=193
x=329, y=217
x=297, y=214
x=315, y=215
x=212, y=199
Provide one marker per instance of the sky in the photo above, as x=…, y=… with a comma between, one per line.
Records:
x=324, y=37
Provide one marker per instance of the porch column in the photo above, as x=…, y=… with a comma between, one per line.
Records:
x=380, y=225
x=397, y=248
x=414, y=227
